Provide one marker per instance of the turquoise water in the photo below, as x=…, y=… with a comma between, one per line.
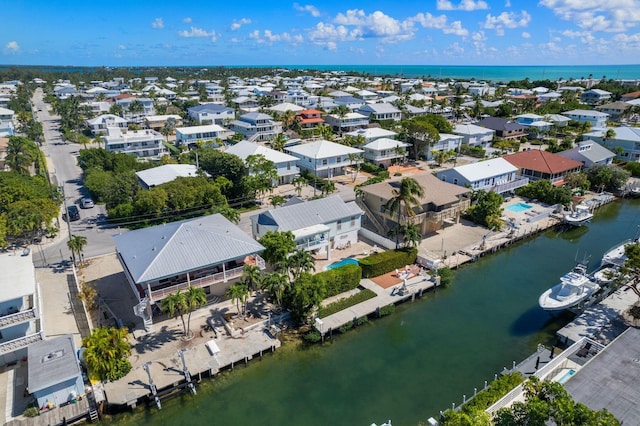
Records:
x=566, y=376
x=518, y=207
x=342, y=263
x=419, y=360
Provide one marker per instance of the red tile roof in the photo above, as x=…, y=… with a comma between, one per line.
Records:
x=542, y=161
x=310, y=112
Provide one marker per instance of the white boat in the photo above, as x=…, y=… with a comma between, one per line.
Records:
x=578, y=216
x=615, y=255
x=574, y=287
x=606, y=275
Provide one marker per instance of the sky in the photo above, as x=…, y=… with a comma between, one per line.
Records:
x=330, y=32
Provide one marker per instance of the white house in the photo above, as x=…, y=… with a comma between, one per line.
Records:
x=101, y=123
x=20, y=321
x=447, y=142
x=597, y=119
x=385, y=151
x=473, y=135
x=285, y=164
x=497, y=175
x=370, y=134
x=350, y=102
x=595, y=96
x=212, y=114
x=6, y=122
x=589, y=153
x=139, y=143
x=317, y=225
x=256, y=126
x=381, y=111
x=351, y=121
x=210, y=132
x=323, y=158
x=148, y=108
x=157, y=122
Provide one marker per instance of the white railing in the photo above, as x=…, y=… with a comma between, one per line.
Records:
x=311, y=244
x=17, y=317
x=20, y=342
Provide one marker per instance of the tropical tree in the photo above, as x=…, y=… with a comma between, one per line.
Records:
x=195, y=298
x=288, y=118
x=298, y=183
x=76, y=243
x=168, y=128
x=278, y=142
x=300, y=261
x=228, y=212
x=355, y=158
x=252, y=276
x=275, y=284
x=404, y=200
x=277, y=200
x=135, y=107
x=305, y=295
x=175, y=305
x=262, y=174
x=277, y=247
x=106, y=353
x=411, y=235
x=487, y=208
x=328, y=187
x=21, y=154
x=238, y=293
x=116, y=109
x=421, y=133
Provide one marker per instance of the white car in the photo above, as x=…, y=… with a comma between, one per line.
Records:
x=86, y=203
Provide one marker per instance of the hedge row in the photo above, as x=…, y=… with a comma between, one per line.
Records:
x=492, y=394
x=341, y=279
x=345, y=303
x=380, y=263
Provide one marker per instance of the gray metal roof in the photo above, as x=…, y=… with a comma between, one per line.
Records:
x=175, y=248
x=302, y=215
x=51, y=362
x=610, y=380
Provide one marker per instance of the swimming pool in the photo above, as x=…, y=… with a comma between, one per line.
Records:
x=566, y=376
x=518, y=207
x=347, y=261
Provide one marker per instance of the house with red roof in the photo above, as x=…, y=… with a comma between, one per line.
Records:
x=536, y=164
x=309, y=118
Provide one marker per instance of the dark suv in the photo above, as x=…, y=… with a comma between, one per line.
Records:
x=73, y=213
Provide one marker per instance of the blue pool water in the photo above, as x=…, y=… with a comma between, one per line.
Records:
x=342, y=263
x=518, y=207
x=567, y=376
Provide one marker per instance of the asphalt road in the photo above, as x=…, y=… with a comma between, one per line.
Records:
x=64, y=172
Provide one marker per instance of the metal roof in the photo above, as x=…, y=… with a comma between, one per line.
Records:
x=244, y=149
x=18, y=278
x=167, y=173
x=485, y=169
x=315, y=212
x=322, y=149
x=385, y=143
x=51, y=362
x=175, y=248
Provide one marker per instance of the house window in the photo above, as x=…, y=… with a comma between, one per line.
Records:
x=353, y=221
x=339, y=225
x=339, y=160
x=324, y=162
x=455, y=181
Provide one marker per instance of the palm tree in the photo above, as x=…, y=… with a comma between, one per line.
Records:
x=228, y=212
x=411, y=235
x=168, y=128
x=277, y=200
x=135, y=107
x=328, y=187
x=404, y=200
x=252, y=276
x=288, y=117
x=106, y=354
x=116, y=109
x=278, y=142
x=195, y=298
x=356, y=159
x=76, y=243
x=175, y=305
x=238, y=293
x=275, y=284
x=21, y=153
x=300, y=261
x=298, y=183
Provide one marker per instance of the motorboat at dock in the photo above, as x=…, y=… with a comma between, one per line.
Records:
x=578, y=216
x=574, y=288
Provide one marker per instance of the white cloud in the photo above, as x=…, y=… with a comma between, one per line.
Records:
x=187, y=20
x=454, y=50
x=507, y=3
x=428, y=20
x=122, y=47
x=329, y=35
x=596, y=15
x=479, y=36
x=12, y=47
x=307, y=8
x=525, y=34
x=237, y=23
x=269, y=37
x=198, y=32
x=158, y=23
x=584, y=36
x=506, y=20
x=377, y=25
x=467, y=5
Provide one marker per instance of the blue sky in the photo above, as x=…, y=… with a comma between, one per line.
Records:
x=274, y=32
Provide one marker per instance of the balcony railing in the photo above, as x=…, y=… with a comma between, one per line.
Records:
x=312, y=244
x=218, y=277
x=18, y=317
x=20, y=342
x=510, y=186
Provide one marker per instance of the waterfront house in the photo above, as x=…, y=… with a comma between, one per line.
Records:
x=473, y=135
x=504, y=128
x=497, y=175
x=323, y=158
x=155, y=176
x=347, y=123
x=211, y=114
x=381, y=112
x=211, y=133
x=54, y=376
x=627, y=138
x=595, y=96
x=589, y=153
x=285, y=164
x=20, y=316
x=317, y=225
x=101, y=123
x=537, y=164
x=208, y=252
x=256, y=127
x=385, y=152
x=615, y=109
x=6, y=122
x=442, y=202
x=309, y=118
x=597, y=119
x=139, y=143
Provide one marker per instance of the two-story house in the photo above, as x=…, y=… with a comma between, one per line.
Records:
x=6, y=122
x=504, y=128
x=212, y=114
x=350, y=102
x=385, y=152
x=285, y=164
x=615, y=109
x=157, y=122
x=625, y=138
x=323, y=158
x=208, y=252
x=256, y=126
x=139, y=143
x=136, y=116
x=473, y=135
x=589, y=153
x=309, y=118
x=595, y=96
x=597, y=119
x=208, y=133
x=497, y=175
x=381, y=112
x=537, y=164
x=20, y=314
x=347, y=123
x=317, y=225
x=447, y=142
x=370, y=134
x=101, y=123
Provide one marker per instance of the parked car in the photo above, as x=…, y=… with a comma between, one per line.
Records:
x=72, y=213
x=86, y=203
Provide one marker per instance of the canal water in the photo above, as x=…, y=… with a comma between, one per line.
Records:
x=419, y=360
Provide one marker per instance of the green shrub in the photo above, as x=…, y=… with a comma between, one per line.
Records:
x=346, y=302
x=446, y=276
x=31, y=412
x=341, y=279
x=346, y=327
x=362, y=320
x=496, y=390
x=634, y=168
x=370, y=168
x=380, y=263
x=386, y=310
x=313, y=336
x=397, y=174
